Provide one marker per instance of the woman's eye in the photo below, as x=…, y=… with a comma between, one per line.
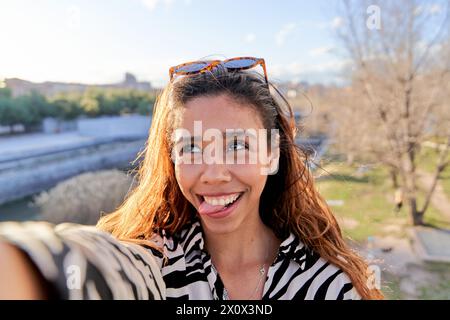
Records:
x=190, y=148
x=237, y=145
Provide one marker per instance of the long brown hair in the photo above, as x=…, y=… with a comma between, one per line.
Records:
x=289, y=202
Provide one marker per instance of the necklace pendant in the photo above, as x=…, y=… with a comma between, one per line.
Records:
x=262, y=271
x=225, y=294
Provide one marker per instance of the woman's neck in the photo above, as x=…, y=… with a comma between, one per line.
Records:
x=256, y=244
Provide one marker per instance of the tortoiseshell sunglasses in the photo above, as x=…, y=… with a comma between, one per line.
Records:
x=233, y=64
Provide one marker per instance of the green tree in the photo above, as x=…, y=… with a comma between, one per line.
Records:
x=10, y=115
x=90, y=104
x=67, y=109
x=145, y=107
x=33, y=108
x=5, y=92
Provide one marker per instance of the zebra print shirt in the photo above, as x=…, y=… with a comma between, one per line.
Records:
x=110, y=269
x=296, y=273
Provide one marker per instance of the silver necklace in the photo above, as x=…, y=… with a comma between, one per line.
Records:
x=262, y=272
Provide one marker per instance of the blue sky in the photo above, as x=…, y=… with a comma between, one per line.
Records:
x=98, y=41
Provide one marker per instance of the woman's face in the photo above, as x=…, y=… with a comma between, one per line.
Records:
x=225, y=193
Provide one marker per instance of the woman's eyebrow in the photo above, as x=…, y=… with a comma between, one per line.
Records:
x=225, y=134
x=238, y=133
x=186, y=139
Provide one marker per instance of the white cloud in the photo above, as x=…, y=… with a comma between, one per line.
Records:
x=152, y=4
x=329, y=66
x=322, y=25
x=320, y=51
x=337, y=22
x=324, y=71
x=281, y=35
x=250, y=37
x=73, y=14
x=418, y=10
x=435, y=9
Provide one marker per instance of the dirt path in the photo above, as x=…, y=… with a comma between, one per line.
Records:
x=402, y=270
x=439, y=199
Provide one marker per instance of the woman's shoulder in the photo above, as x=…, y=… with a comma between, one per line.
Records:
x=335, y=284
x=323, y=279
x=170, y=242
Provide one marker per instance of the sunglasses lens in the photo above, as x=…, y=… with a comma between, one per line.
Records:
x=193, y=67
x=240, y=63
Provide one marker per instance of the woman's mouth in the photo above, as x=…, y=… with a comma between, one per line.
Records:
x=218, y=206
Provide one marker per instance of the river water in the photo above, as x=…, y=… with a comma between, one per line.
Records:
x=19, y=210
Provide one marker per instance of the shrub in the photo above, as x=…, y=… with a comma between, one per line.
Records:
x=83, y=198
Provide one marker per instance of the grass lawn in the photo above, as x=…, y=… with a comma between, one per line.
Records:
x=364, y=199
x=391, y=287
x=445, y=181
x=427, y=162
x=368, y=199
x=442, y=290
x=368, y=210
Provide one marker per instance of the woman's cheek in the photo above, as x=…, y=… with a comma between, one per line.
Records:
x=250, y=174
x=186, y=176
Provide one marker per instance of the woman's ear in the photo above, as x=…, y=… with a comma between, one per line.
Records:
x=274, y=163
x=274, y=156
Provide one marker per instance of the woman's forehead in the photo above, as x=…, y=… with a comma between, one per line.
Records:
x=220, y=112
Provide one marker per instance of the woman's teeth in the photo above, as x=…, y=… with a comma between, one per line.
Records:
x=221, y=201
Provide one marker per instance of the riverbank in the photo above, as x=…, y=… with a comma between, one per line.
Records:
x=19, y=210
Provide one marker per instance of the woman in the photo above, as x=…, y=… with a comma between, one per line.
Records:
x=206, y=218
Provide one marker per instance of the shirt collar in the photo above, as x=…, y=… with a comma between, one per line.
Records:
x=291, y=248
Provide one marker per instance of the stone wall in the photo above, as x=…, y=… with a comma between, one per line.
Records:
x=33, y=163
x=34, y=174
x=125, y=126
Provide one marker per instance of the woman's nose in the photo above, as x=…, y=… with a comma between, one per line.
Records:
x=215, y=173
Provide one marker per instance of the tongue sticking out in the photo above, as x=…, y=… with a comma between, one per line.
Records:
x=206, y=208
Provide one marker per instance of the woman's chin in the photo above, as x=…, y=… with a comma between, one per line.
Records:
x=220, y=226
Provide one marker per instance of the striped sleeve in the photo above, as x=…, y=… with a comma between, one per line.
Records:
x=81, y=262
x=331, y=283
x=341, y=288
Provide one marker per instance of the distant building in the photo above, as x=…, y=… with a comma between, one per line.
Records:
x=292, y=88
x=20, y=87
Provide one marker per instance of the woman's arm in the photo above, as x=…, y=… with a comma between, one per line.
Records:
x=39, y=260
x=19, y=278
